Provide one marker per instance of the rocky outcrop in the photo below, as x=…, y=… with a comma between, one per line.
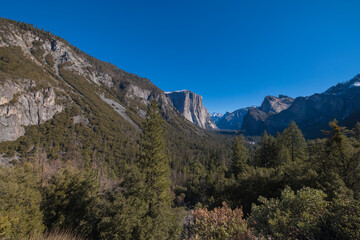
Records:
x=273, y=104
x=254, y=120
x=191, y=106
x=232, y=120
x=312, y=114
x=20, y=106
x=120, y=110
x=251, y=119
x=216, y=116
x=133, y=92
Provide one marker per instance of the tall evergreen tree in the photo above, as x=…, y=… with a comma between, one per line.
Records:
x=356, y=131
x=267, y=153
x=293, y=139
x=153, y=163
x=239, y=156
x=342, y=155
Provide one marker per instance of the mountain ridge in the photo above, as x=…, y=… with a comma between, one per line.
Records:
x=311, y=113
x=82, y=109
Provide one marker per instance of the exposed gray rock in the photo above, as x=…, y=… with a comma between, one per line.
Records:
x=21, y=107
x=120, y=110
x=254, y=120
x=134, y=91
x=142, y=113
x=80, y=119
x=60, y=52
x=312, y=114
x=276, y=104
x=140, y=90
x=7, y=160
x=216, y=116
x=191, y=106
x=232, y=120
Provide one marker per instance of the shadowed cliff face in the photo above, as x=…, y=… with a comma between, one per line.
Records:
x=191, y=106
x=313, y=113
x=254, y=120
x=232, y=120
x=251, y=119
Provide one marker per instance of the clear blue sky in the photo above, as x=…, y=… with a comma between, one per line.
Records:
x=233, y=53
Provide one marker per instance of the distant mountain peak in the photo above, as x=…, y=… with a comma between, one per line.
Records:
x=178, y=91
x=216, y=116
x=275, y=104
x=343, y=87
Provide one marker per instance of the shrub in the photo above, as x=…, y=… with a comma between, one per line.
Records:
x=220, y=223
x=293, y=216
x=19, y=202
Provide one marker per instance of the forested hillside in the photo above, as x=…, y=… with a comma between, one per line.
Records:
x=89, y=151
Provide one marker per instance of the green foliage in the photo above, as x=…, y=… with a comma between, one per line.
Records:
x=342, y=156
x=14, y=65
x=121, y=208
x=293, y=139
x=239, y=156
x=153, y=161
x=68, y=199
x=155, y=169
x=293, y=216
x=266, y=154
x=20, y=200
x=135, y=197
x=336, y=161
x=49, y=60
x=344, y=218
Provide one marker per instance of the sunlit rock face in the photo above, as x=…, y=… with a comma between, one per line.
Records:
x=191, y=106
x=20, y=106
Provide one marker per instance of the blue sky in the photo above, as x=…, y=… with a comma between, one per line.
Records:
x=233, y=53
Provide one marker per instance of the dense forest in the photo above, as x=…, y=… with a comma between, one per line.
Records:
x=100, y=178
x=281, y=187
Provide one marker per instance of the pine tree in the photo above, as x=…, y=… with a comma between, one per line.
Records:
x=155, y=169
x=267, y=153
x=239, y=156
x=293, y=139
x=356, y=131
x=20, y=214
x=342, y=156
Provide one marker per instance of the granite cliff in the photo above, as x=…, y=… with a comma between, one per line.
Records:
x=251, y=119
x=312, y=114
x=21, y=107
x=254, y=120
x=191, y=106
x=232, y=120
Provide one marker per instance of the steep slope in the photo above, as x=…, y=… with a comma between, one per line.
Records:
x=58, y=100
x=254, y=120
x=250, y=119
x=232, y=120
x=191, y=106
x=313, y=113
x=215, y=116
x=273, y=104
